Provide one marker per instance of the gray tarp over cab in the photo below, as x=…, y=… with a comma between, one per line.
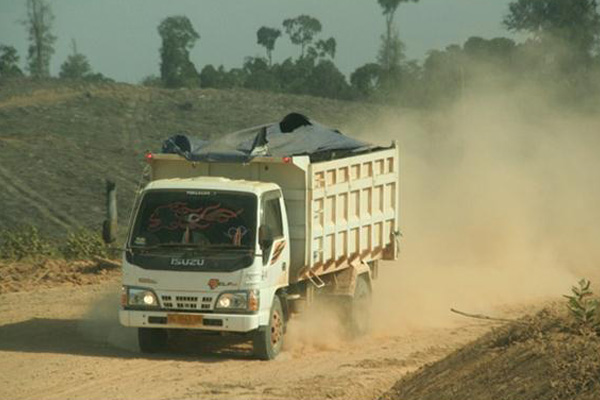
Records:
x=295, y=135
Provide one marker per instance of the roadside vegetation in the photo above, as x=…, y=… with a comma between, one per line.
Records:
x=30, y=260
x=27, y=243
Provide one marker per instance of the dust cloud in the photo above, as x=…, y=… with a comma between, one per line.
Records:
x=317, y=329
x=500, y=206
x=101, y=323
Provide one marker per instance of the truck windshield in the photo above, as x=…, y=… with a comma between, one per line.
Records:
x=203, y=219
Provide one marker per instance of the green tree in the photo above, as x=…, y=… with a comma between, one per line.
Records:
x=234, y=78
x=9, y=62
x=290, y=75
x=220, y=78
x=76, y=66
x=390, y=53
x=445, y=75
x=326, y=80
x=326, y=47
x=267, y=37
x=302, y=30
x=178, y=38
x=210, y=77
x=365, y=79
x=259, y=75
x=151, y=81
x=41, y=40
x=574, y=24
x=495, y=50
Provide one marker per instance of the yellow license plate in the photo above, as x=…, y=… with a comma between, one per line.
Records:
x=184, y=319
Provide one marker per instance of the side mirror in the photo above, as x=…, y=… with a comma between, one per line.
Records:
x=265, y=237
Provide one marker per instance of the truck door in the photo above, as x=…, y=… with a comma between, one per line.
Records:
x=275, y=244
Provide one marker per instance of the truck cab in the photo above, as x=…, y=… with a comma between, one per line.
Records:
x=207, y=253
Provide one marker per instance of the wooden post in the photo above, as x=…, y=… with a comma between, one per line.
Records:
x=110, y=226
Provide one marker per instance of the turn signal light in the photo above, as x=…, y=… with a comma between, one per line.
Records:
x=123, y=296
x=252, y=301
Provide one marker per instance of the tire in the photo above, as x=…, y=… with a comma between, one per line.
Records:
x=359, y=309
x=269, y=339
x=152, y=340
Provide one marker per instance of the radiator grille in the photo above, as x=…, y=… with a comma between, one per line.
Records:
x=183, y=301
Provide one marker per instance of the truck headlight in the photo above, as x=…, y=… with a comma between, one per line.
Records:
x=238, y=301
x=141, y=297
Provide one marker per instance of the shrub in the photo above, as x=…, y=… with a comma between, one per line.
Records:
x=83, y=245
x=583, y=307
x=24, y=242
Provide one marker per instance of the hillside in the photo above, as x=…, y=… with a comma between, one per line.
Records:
x=60, y=141
x=547, y=356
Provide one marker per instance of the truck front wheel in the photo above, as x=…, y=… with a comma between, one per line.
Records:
x=269, y=339
x=152, y=340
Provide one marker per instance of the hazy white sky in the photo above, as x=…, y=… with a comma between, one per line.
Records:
x=120, y=39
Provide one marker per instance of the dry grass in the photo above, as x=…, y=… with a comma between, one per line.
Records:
x=59, y=141
x=44, y=273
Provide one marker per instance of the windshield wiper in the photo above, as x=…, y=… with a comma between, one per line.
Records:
x=227, y=246
x=170, y=246
x=192, y=246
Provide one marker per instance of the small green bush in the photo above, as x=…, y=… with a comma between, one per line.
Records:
x=83, y=245
x=24, y=242
x=583, y=307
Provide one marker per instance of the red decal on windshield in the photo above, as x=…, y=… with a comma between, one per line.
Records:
x=179, y=216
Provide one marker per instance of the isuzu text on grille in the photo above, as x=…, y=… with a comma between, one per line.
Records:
x=196, y=262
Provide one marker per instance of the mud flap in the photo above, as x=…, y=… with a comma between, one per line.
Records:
x=344, y=283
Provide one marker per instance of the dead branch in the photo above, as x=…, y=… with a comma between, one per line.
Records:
x=483, y=317
x=41, y=276
x=106, y=262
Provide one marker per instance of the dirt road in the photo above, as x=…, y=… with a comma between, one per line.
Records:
x=65, y=343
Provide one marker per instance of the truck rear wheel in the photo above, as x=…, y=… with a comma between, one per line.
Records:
x=359, y=308
x=269, y=339
x=152, y=340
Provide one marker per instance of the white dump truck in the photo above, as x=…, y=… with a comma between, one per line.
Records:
x=238, y=234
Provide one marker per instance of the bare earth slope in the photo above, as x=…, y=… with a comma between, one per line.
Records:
x=545, y=357
x=59, y=141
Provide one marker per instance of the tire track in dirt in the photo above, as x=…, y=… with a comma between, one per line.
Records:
x=108, y=168
x=49, y=97
x=22, y=191
x=93, y=387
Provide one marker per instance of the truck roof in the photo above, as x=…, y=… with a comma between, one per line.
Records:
x=212, y=183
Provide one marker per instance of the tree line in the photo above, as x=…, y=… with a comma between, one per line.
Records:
x=562, y=50
x=38, y=24
x=562, y=45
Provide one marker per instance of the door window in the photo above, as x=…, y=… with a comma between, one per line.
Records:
x=272, y=217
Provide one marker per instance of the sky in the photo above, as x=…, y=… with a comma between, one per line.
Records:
x=120, y=38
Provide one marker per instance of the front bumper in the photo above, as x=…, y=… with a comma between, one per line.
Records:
x=211, y=322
